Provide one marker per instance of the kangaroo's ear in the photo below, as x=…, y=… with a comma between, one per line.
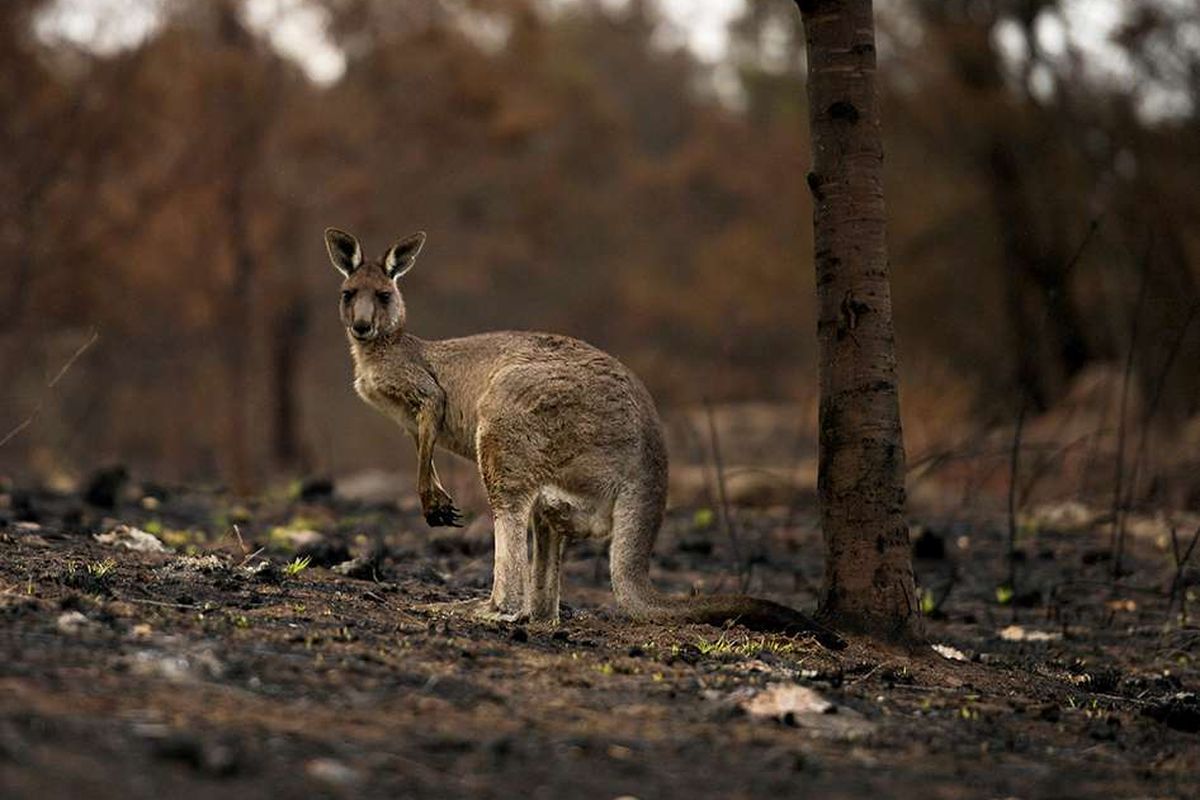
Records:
x=344, y=250
x=401, y=256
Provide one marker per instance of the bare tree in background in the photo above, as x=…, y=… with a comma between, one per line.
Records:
x=868, y=564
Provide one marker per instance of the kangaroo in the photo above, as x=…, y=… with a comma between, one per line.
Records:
x=566, y=439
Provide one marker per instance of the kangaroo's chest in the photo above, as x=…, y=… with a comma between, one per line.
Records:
x=400, y=390
x=387, y=396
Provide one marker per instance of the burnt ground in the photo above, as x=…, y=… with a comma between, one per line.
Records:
x=214, y=671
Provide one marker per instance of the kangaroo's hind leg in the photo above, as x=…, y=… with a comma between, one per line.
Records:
x=510, y=569
x=509, y=463
x=549, y=539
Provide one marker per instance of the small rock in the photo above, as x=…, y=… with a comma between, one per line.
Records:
x=72, y=622
x=132, y=538
x=801, y=707
x=177, y=667
x=783, y=699
x=1016, y=633
x=361, y=568
x=190, y=565
x=951, y=653
x=332, y=772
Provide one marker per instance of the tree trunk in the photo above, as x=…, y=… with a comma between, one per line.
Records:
x=868, y=583
x=285, y=351
x=239, y=330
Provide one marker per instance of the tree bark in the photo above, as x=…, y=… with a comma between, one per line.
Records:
x=868, y=584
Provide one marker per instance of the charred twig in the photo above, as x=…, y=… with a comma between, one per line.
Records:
x=727, y=520
x=1014, y=465
x=162, y=603
x=1181, y=562
x=935, y=461
x=928, y=462
x=249, y=556
x=1052, y=454
x=1093, y=226
x=50, y=386
x=1156, y=395
x=1118, y=506
x=240, y=540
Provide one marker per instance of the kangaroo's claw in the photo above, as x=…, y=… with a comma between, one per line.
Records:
x=444, y=516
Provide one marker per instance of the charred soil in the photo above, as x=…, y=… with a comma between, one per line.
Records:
x=316, y=652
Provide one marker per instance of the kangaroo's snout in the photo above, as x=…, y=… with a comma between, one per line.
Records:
x=361, y=328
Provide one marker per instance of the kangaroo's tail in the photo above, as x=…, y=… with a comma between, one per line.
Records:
x=636, y=519
x=719, y=609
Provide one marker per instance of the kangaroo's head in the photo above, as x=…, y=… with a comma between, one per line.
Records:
x=371, y=302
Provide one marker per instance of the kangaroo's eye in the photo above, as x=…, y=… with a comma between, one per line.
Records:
x=384, y=297
x=347, y=295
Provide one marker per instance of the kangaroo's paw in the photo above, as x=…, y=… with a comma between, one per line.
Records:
x=444, y=517
x=440, y=511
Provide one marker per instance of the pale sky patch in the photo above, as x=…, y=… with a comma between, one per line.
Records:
x=297, y=30
x=104, y=26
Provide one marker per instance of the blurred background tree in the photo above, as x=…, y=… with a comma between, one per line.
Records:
x=578, y=169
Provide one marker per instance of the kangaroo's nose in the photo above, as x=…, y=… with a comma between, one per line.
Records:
x=361, y=327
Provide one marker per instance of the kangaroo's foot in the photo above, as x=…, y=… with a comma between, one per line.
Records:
x=452, y=606
x=482, y=609
x=488, y=612
x=439, y=509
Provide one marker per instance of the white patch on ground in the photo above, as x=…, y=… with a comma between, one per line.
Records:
x=1016, y=633
x=132, y=538
x=948, y=652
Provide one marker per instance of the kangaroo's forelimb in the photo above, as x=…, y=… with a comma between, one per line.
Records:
x=436, y=503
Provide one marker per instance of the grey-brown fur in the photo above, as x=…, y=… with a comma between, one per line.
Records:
x=567, y=440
